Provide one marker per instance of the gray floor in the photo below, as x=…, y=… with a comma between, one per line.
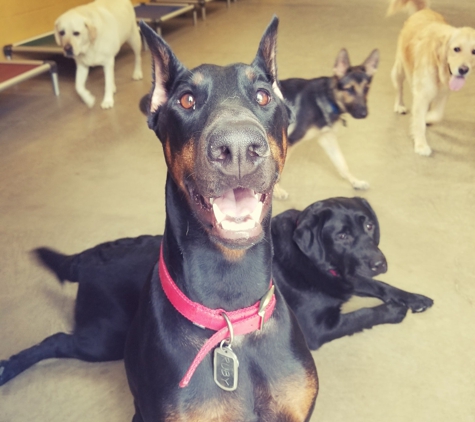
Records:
x=72, y=177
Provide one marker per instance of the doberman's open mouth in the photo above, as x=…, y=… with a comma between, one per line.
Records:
x=236, y=214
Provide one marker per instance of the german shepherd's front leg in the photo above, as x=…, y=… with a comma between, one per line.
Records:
x=328, y=141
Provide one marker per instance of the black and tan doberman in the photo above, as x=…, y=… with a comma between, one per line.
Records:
x=223, y=131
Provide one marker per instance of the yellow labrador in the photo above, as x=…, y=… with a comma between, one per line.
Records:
x=92, y=34
x=436, y=57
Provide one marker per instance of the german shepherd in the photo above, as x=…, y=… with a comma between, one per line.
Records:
x=318, y=104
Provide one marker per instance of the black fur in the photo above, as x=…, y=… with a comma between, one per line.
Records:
x=223, y=134
x=328, y=253
x=315, y=278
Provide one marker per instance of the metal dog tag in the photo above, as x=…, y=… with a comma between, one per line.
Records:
x=225, y=368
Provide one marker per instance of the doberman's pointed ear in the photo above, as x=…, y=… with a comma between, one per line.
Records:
x=166, y=68
x=308, y=233
x=342, y=63
x=371, y=63
x=266, y=57
x=374, y=218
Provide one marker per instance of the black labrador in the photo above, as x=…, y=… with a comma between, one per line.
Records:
x=328, y=253
x=323, y=255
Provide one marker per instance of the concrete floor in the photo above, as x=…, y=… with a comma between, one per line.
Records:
x=72, y=177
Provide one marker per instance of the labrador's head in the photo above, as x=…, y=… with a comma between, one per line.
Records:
x=75, y=33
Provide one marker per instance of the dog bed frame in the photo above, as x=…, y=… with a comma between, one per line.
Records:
x=156, y=13
x=13, y=72
x=44, y=43
x=199, y=4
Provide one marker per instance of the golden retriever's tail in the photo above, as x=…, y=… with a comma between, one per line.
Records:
x=410, y=6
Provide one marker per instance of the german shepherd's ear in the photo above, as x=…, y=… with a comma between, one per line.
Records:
x=166, y=68
x=342, y=63
x=371, y=63
x=266, y=55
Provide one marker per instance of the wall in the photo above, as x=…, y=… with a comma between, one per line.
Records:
x=23, y=19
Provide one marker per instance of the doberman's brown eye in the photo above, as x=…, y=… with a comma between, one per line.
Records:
x=187, y=101
x=262, y=97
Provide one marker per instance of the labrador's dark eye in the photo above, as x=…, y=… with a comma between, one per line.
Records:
x=262, y=97
x=457, y=49
x=61, y=33
x=369, y=226
x=76, y=33
x=343, y=236
x=187, y=101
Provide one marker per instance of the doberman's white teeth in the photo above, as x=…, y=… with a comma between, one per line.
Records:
x=256, y=214
x=218, y=214
x=211, y=201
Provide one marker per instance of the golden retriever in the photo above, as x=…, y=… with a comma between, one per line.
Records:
x=92, y=34
x=436, y=58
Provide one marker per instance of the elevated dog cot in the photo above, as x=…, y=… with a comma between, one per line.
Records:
x=44, y=43
x=155, y=14
x=199, y=4
x=13, y=72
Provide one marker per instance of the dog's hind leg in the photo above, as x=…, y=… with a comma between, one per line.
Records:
x=329, y=143
x=398, y=76
x=59, y=345
x=81, y=77
x=135, y=41
x=110, y=88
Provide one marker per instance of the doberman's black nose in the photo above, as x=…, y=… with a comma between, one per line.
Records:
x=238, y=147
x=463, y=70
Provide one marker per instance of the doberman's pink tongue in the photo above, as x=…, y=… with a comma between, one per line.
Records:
x=237, y=210
x=237, y=202
x=456, y=82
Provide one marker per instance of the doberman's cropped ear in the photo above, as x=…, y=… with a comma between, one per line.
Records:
x=166, y=68
x=266, y=57
x=308, y=233
x=371, y=63
x=342, y=63
x=373, y=217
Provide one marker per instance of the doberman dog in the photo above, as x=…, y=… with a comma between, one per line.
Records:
x=319, y=104
x=223, y=132
x=323, y=255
